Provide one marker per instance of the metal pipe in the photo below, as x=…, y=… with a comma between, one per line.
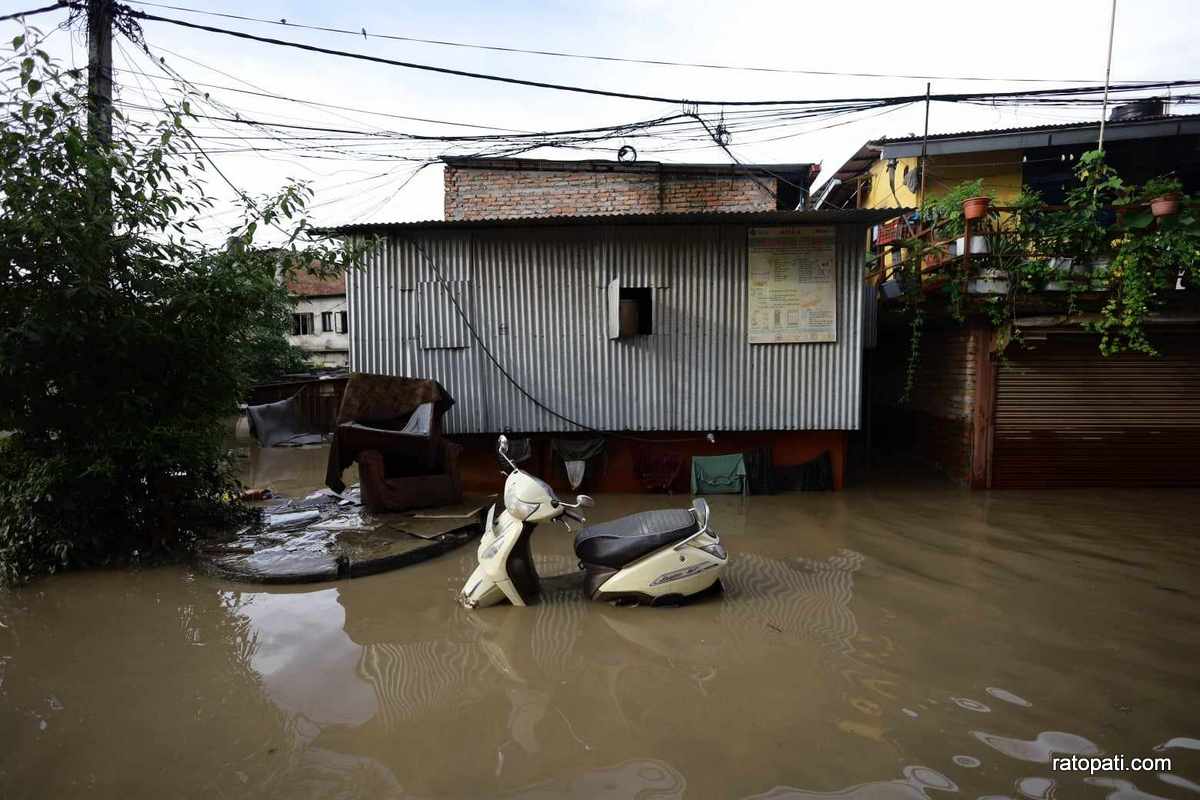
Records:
x=925, y=144
x=1112, y=26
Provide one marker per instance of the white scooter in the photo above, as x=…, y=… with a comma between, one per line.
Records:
x=655, y=557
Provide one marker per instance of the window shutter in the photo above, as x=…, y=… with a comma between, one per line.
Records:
x=614, y=309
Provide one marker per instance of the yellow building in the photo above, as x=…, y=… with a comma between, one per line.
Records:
x=885, y=173
x=1053, y=411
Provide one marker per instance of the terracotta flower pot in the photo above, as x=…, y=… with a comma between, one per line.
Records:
x=1165, y=206
x=976, y=207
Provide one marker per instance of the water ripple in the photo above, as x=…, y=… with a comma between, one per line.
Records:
x=1040, y=749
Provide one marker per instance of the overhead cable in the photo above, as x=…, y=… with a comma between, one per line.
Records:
x=33, y=12
x=364, y=33
x=869, y=101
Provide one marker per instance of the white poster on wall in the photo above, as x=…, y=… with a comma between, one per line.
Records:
x=793, y=284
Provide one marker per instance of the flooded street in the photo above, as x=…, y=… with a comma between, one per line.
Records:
x=881, y=642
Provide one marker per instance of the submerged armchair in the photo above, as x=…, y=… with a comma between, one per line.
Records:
x=386, y=486
x=392, y=428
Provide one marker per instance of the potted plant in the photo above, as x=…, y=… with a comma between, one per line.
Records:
x=945, y=213
x=1059, y=270
x=990, y=280
x=976, y=207
x=1164, y=195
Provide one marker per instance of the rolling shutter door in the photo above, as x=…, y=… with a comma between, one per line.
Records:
x=1068, y=416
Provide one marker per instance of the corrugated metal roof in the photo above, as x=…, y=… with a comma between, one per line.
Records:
x=804, y=171
x=1111, y=125
x=823, y=216
x=1013, y=138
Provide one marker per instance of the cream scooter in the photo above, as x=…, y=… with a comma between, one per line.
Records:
x=655, y=557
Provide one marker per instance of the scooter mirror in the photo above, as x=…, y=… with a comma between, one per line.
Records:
x=585, y=501
x=502, y=445
x=700, y=508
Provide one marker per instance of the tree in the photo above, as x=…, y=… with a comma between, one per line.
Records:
x=126, y=340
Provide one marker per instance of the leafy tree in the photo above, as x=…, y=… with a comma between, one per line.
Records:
x=126, y=340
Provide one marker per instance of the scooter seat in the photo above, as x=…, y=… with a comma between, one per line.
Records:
x=622, y=541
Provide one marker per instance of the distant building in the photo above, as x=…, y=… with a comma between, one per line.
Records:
x=321, y=320
x=509, y=188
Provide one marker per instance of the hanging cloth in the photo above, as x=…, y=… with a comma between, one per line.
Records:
x=719, y=474
x=578, y=449
x=575, y=453
x=575, y=470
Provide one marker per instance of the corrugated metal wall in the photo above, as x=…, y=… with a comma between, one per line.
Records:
x=536, y=296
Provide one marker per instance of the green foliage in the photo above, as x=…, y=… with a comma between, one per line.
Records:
x=945, y=212
x=125, y=340
x=1149, y=260
x=1161, y=186
x=1104, y=220
x=916, y=251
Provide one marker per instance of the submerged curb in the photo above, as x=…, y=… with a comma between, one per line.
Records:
x=334, y=565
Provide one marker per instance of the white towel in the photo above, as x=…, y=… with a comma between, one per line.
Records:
x=575, y=472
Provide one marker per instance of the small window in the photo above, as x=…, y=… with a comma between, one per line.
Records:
x=302, y=324
x=342, y=322
x=326, y=321
x=630, y=310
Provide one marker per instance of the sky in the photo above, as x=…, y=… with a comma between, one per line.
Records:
x=1046, y=40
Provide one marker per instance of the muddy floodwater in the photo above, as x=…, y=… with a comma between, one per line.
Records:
x=911, y=641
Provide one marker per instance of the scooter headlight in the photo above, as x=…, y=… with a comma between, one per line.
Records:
x=516, y=506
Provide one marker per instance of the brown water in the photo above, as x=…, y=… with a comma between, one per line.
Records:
x=878, y=643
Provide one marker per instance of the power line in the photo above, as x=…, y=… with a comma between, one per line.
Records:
x=869, y=101
x=591, y=57
x=33, y=12
x=334, y=106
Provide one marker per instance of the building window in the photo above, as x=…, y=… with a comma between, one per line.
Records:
x=630, y=310
x=342, y=322
x=326, y=321
x=302, y=324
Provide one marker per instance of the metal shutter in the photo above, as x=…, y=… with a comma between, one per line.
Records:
x=1068, y=416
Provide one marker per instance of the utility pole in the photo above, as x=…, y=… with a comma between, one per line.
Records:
x=1112, y=27
x=925, y=144
x=99, y=28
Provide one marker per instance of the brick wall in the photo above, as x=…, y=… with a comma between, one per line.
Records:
x=936, y=427
x=479, y=193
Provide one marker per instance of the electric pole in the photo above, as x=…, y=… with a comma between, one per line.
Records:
x=99, y=28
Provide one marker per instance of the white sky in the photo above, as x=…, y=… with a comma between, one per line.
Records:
x=1155, y=39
